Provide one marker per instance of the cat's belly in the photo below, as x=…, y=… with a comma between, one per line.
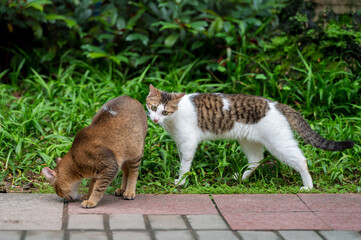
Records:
x=238, y=132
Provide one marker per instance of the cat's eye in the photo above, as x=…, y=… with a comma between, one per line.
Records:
x=154, y=108
x=165, y=113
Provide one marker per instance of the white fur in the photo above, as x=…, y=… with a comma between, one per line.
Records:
x=272, y=132
x=225, y=104
x=114, y=113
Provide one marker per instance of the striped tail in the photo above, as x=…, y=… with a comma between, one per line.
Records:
x=300, y=125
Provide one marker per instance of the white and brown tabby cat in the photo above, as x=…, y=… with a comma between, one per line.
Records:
x=255, y=122
x=114, y=140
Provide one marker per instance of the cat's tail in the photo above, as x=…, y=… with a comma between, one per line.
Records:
x=300, y=125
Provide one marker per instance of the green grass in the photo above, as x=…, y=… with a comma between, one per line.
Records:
x=40, y=115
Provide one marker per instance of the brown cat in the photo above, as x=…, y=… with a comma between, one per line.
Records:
x=114, y=139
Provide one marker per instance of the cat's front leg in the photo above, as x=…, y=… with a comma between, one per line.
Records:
x=186, y=153
x=99, y=184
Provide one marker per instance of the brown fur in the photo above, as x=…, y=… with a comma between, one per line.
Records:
x=212, y=117
x=114, y=139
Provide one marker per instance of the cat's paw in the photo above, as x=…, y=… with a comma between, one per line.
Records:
x=119, y=192
x=129, y=195
x=88, y=204
x=180, y=182
x=84, y=197
x=306, y=188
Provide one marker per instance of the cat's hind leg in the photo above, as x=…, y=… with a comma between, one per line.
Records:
x=131, y=179
x=254, y=153
x=121, y=190
x=186, y=154
x=289, y=153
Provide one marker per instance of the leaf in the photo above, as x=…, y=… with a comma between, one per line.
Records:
x=137, y=36
x=261, y=76
x=165, y=25
x=38, y=31
x=37, y=4
x=142, y=60
x=69, y=22
x=171, y=40
x=96, y=54
x=196, y=45
x=216, y=26
x=199, y=25
x=91, y=48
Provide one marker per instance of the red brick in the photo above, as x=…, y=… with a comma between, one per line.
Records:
x=341, y=221
x=150, y=204
x=260, y=203
x=333, y=202
x=274, y=221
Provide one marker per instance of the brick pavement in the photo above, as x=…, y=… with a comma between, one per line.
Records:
x=157, y=217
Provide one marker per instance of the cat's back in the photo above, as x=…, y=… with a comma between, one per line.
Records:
x=119, y=124
x=123, y=110
x=217, y=112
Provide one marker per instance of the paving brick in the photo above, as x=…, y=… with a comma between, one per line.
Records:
x=89, y=235
x=172, y=204
x=260, y=202
x=167, y=222
x=274, y=221
x=342, y=221
x=337, y=235
x=44, y=235
x=85, y=221
x=30, y=211
x=126, y=221
x=139, y=235
x=174, y=235
x=207, y=222
x=258, y=235
x=10, y=235
x=216, y=235
x=300, y=235
x=341, y=203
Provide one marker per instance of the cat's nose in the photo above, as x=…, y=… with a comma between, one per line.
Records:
x=156, y=120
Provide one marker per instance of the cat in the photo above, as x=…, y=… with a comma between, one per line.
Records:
x=114, y=139
x=255, y=122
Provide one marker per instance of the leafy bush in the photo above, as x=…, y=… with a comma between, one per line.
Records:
x=131, y=34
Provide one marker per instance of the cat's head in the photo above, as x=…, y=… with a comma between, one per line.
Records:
x=162, y=105
x=64, y=188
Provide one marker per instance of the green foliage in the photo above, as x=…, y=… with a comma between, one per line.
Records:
x=131, y=34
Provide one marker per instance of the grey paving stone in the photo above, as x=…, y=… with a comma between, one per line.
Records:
x=207, y=222
x=300, y=235
x=89, y=235
x=174, y=235
x=216, y=235
x=138, y=235
x=44, y=235
x=30, y=211
x=258, y=235
x=336, y=235
x=10, y=235
x=86, y=221
x=126, y=221
x=167, y=222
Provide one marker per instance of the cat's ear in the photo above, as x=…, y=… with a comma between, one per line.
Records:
x=153, y=92
x=174, y=102
x=180, y=95
x=48, y=173
x=57, y=160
